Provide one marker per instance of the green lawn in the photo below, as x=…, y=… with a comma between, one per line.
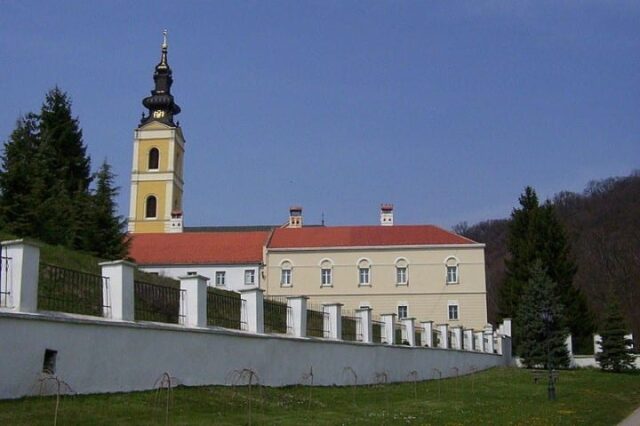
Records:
x=498, y=396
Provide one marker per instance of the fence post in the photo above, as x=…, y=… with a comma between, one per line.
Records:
x=488, y=334
x=334, y=311
x=410, y=330
x=468, y=339
x=597, y=344
x=479, y=336
x=366, y=324
x=428, y=333
x=457, y=337
x=498, y=343
x=254, y=303
x=118, y=288
x=298, y=306
x=444, y=335
x=389, y=328
x=24, y=270
x=506, y=327
x=195, y=288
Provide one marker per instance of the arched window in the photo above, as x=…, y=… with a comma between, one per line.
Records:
x=326, y=278
x=154, y=158
x=402, y=275
x=452, y=270
x=364, y=275
x=286, y=274
x=151, y=206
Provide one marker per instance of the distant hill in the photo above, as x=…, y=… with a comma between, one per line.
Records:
x=603, y=225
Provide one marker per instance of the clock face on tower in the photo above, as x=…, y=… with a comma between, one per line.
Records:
x=158, y=113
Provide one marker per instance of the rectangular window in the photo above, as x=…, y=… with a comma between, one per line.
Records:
x=220, y=278
x=249, y=277
x=403, y=311
x=452, y=274
x=363, y=273
x=325, y=277
x=192, y=273
x=453, y=313
x=401, y=275
x=285, y=277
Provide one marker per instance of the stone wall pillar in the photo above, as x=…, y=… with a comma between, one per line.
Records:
x=444, y=335
x=298, y=306
x=410, y=330
x=488, y=335
x=366, y=324
x=334, y=311
x=254, y=305
x=22, y=277
x=428, y=333
x=479, y=346
x=195, y=305
x=457, y=337
x=118, y=289
x=389, y=330
x=468, y=339
x=506, y=327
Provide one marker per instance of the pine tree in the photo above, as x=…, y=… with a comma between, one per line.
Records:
x=540, y=322
x=616, y=352
x=45, y=179
x=106, y=230
x=17, y=186
x=535, y=234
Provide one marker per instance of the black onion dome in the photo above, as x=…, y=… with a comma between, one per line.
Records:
x=160, y=104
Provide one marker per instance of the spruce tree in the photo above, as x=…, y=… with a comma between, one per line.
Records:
x=17, y=187
x=535, y=234
x=616, y=348
x=106, y=230
x=540, y=322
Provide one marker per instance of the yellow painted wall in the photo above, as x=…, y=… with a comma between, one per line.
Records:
x=151, y=188
x=426, y=294
x=145, y=145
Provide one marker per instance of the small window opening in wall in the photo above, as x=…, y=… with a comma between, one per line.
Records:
x=49, y=363
x=192, y=273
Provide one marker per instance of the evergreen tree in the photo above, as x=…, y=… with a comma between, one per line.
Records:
x=540, y=322
x=106, y=230
x=62, y=133
x=616, y=348
x=44, y=184
x=535, y=234
x=17, y=186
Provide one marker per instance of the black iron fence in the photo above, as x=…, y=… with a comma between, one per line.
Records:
x=226, y=309
x=65, y=290
x=277, y=315
x=419, y=332
x=377, y=328
x=351, y=327
x=158, y=303
x=5, y=279
x=317, y=321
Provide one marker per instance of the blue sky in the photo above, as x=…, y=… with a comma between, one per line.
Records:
x=446, y=109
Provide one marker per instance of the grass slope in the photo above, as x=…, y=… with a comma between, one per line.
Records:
x=498, y=396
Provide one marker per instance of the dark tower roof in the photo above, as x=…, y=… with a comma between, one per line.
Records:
x=160, y=104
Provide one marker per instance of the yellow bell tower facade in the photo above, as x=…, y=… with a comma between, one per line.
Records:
x=158, y=152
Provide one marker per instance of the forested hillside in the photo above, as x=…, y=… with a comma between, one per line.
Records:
x=603, y=226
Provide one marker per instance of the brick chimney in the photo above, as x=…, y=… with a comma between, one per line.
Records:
x=295, y=217
x=386, y=214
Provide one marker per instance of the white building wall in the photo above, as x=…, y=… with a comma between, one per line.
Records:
x=234, y=274
x=99, y=355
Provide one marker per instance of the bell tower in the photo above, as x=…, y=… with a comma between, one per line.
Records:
x=158, y=152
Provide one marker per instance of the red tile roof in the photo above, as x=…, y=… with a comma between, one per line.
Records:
x=198, y=248
x=364, y=236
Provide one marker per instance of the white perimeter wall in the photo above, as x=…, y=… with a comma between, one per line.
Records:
x=96, y=355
